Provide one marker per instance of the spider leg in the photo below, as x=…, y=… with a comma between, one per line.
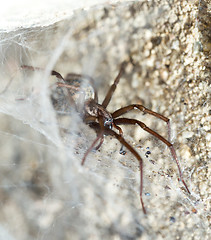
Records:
x=113, y=86
x=107, y=131
x=100, y=143
x=58, y=75
x=59, y=84
x=53, y=73
x=126, y=109
x=138, y=157
x=121, y=151
x=31, y=68
x=91, y=121
x=145, y=128
x=91, y=147
x=99, y=128
x=118, y=128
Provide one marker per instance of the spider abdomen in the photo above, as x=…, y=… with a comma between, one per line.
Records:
x=83, y=88
x=91, y=108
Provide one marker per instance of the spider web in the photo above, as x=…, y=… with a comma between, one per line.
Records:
x=42, y=181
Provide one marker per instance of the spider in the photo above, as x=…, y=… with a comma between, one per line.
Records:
x=103, y=122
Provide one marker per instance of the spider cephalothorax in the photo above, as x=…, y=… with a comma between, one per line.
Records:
x=83, y=97
x=97, y=110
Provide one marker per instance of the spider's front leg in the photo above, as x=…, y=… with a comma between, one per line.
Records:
x=111, y=90
x=143, y=109
x=53, y=73
x=128, y=121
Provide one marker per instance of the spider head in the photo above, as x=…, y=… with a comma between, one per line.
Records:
x=108, y=122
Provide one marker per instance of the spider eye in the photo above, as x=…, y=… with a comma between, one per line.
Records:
x=108, y=122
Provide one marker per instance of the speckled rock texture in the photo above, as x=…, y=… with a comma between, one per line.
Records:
x=45, y=193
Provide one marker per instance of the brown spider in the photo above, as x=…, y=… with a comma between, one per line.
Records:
x=102, y=121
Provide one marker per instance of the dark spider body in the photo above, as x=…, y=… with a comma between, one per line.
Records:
x=97, y=110
x=83, y=96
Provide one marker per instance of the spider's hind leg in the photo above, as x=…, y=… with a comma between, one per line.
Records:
x=91, y=147
x=135, y=153
x=100, y=143
x=99, y=129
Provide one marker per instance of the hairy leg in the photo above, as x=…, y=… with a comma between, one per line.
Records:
x=113, y=86
x=128, y=121
x=107, y=131
x=100, y=143
x=59, y=84
x=91, y=147
x=138, y=157
x=99, y=128
x=126, y=109
x=121, y=151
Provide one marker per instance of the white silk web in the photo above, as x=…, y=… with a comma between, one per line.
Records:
x=43, y=185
